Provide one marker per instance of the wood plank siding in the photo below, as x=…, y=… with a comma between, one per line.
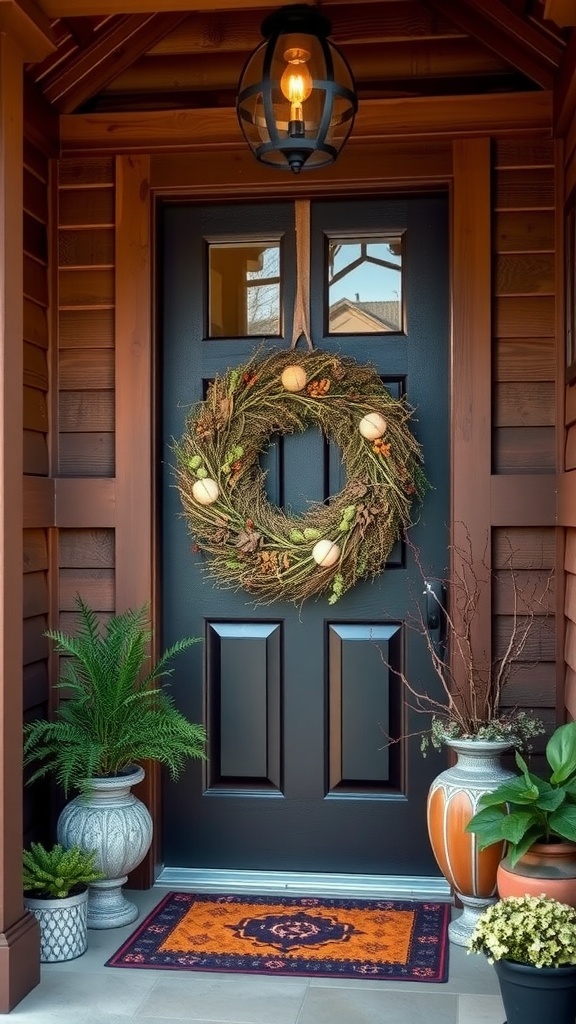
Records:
x=524, y=407
x=38, y=507
x=567, y=495
x=86, y=410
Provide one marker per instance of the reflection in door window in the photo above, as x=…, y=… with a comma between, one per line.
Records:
x=244, y=289
x=365, y=285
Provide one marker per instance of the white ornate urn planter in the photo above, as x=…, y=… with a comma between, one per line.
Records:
x=111, y=820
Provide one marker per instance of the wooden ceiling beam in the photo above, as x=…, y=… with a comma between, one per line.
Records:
x=561, y=12
x=81, y=8
x=513, y=38
x=375, y=62
x=565, y=91
x=407, y=20
x=111, y=52
x=217, y=129
x=28, y=28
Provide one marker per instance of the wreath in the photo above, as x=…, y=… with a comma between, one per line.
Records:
x=263, y=549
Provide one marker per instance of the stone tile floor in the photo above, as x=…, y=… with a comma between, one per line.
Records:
x=83, y=991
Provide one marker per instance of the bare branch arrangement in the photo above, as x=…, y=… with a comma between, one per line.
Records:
x=473, y=679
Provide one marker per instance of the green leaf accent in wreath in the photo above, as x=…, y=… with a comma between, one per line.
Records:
x=258, y=547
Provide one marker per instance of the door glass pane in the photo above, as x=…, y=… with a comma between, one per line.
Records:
x=365, y=285
x=244, y=292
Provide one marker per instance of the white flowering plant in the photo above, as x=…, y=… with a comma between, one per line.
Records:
x=532, y=930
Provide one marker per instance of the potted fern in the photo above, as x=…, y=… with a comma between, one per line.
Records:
x=55, y=883
x=115, y=716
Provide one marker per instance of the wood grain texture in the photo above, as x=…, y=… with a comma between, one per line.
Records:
x=524, y=548
x=531, y=151
x=86, y=208
x=90, y=248
x=88, y=368
x=35, y=326
x=471, y=412
x=523, y=499
x=35, y=454
x=85, y=503
x=39, y=511
x=86, y=328
x=35, y=281
x=531, y=190
x=86, y=172
x=84, y=549
x=361, y=169
x=35, y=410
x=536, y=593
x=525, y=359
x=86, y=288
x=524, y=231
x=35, y=594
x=524, y=404
x=525, y=274
x=405, y=118
x=86, y=454
x=524, y=450
x=95, y=585
x=86, y=410
x=526, y=317
x=567, y=500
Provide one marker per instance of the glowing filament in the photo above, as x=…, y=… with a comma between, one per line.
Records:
x=296, y=82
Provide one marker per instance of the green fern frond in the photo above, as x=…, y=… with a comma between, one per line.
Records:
x=113, y=715
x=56, y=872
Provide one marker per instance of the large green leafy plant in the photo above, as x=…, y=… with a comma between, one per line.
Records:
x=113, y=715
x=529, y=809
x=57, y=873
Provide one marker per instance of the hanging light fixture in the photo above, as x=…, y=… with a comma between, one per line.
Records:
x=296, y=100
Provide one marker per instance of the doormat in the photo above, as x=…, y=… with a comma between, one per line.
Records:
x=399, y=940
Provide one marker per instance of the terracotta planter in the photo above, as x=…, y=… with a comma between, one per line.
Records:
x=452, y=801
x=546, y=868
x=532, y=995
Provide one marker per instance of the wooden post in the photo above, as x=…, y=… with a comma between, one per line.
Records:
x=471, y=372
x=21, y=39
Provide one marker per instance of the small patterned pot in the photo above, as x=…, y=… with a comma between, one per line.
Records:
x=63, y=926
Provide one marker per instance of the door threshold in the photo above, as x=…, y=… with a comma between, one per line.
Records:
x=304, y=883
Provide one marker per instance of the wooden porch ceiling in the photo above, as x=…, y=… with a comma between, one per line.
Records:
x=115, y=56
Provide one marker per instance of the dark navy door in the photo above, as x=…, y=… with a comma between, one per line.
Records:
x=298, y=701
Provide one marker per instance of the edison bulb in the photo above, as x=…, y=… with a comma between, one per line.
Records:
x=296, y=81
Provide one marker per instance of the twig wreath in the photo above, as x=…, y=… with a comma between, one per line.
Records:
x=258, y=547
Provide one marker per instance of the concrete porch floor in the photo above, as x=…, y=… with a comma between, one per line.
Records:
x=83, y=991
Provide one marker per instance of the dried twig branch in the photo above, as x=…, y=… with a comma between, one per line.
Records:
x=473, y=680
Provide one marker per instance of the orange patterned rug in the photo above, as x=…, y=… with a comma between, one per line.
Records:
x=400, y=940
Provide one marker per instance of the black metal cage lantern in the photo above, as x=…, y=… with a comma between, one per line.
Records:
x=296, y=100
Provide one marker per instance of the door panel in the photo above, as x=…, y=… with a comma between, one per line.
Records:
x=298, y=702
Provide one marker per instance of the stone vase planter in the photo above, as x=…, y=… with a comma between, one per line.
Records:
x=63, y=926
x=548, y=868
x=112, y=821
x=452, y=801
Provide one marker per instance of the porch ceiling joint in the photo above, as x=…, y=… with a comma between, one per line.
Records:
x=106, y=57
x=28, y=27
x=511, y=37
x=217, y=129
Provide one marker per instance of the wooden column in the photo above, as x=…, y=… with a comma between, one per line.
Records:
x=471, y=367
x=20, y=40
x=134, y=458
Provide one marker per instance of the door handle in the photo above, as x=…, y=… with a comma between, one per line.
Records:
x=435, y=616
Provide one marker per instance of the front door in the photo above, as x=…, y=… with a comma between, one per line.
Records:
x=299, y=702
